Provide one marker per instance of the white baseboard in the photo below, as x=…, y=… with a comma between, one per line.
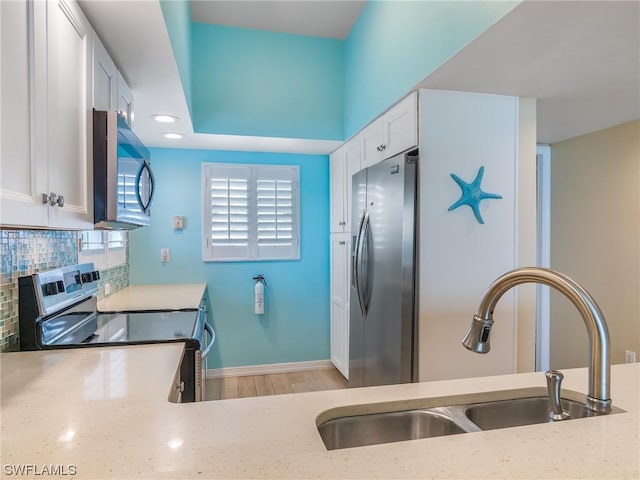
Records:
x=267, y=369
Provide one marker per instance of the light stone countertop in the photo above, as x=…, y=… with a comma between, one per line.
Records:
x=179, y=296
x=105, y=411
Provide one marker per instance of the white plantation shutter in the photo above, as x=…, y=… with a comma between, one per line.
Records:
x=250, y=212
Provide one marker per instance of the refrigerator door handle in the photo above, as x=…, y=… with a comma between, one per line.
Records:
x=354, y=258
x=362, y=236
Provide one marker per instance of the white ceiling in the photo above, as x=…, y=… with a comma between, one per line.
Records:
x=580, y=59
x=317, y=18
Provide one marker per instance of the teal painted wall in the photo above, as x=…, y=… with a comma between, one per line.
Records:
x=250, y=82
x=395, y=44
x=177, y=17
x=295, y=326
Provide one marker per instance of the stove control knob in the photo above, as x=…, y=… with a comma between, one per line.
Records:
x=60, y=286
x=95, y=275
x=86, y=277
x=50, y=288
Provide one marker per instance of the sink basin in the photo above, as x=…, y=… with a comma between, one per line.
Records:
x=424, y=422
x=371, y=429
x=520, y=411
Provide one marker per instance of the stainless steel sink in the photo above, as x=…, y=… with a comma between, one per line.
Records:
x=360, y=430
x=396, y=426
x=520, y=411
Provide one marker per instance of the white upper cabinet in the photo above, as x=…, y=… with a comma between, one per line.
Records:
x=23, y=173
x=110, y=90
x=344, y=162
x=353, y=159
x=337, y=189
x=125, y=100
x=400, y=126
x=105, y=78
x=372, y=139
x=392, y=133
x=69, y=68
x=46, y=86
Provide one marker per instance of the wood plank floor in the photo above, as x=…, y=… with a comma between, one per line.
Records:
x=274, y=384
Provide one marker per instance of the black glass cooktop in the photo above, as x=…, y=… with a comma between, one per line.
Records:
x=146, y=327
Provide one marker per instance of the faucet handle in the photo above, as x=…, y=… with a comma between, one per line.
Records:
x=554, y=384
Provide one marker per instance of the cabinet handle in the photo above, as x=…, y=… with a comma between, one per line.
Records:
x=342, y=242
x=53, y=199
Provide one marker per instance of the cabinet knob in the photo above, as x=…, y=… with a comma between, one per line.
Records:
x=383, y=147
x=342, y=242
x=53, y=199
x=60, y=201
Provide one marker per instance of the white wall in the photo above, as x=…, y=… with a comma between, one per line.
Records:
x=595, y=238
x=458, y=257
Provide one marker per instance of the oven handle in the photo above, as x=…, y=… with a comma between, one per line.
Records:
x=209, y=329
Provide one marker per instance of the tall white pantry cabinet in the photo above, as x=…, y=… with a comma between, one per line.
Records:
x=458, y=258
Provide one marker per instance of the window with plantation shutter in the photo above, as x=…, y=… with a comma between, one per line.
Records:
x=250, y=212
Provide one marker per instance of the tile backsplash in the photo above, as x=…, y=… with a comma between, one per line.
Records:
x=25, y=252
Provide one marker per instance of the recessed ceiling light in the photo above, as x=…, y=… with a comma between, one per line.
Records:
x=173, y=136
x=164, y=118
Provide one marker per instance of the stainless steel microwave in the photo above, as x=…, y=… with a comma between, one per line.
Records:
x=123, y=181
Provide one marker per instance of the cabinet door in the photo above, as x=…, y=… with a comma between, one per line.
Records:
x=69, y=59
x=353, y=153
x=105, y=77
x=372, y=143
x=340, y=302
x=125, y=100
x=336, y=189
x=401, y=126
x=24, y=173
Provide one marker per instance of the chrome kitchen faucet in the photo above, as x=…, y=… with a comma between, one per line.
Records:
x=477, y=338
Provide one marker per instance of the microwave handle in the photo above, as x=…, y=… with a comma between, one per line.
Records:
x=146, y=166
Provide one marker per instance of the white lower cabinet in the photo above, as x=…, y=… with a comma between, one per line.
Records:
x=340, y=271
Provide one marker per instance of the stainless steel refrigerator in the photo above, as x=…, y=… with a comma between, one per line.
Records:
x=383, y=326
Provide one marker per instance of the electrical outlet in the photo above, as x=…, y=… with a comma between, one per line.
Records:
x=165, y=255
x=106, y=288
x=629, y=356
x=178, y=222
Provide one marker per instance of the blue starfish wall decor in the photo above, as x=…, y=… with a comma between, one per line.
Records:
x=472, y=194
